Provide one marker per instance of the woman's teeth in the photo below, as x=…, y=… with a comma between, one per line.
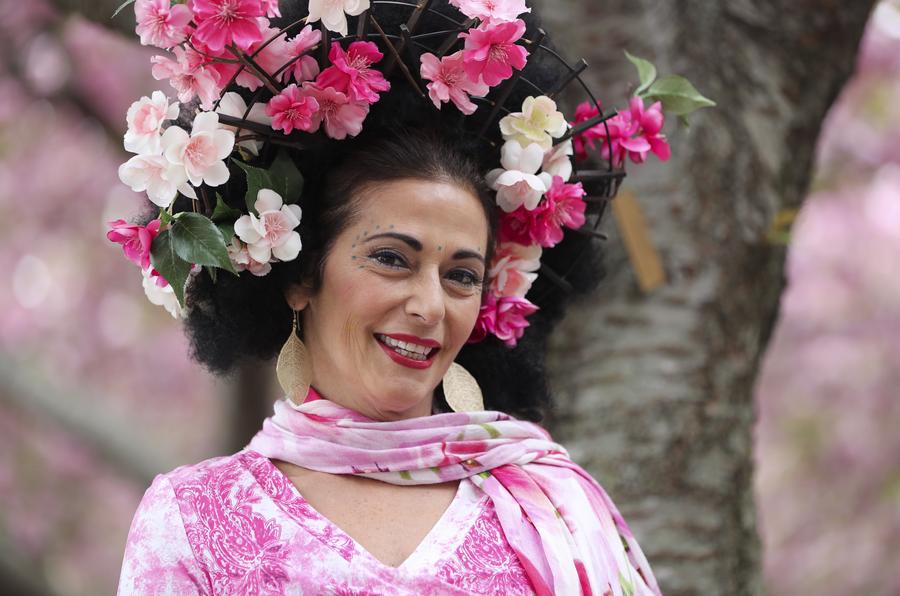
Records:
x=409, y=350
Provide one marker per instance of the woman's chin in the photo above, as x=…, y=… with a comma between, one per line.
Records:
x=398, y=400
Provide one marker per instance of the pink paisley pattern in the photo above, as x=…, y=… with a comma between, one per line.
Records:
x=484, y=563
x=236, y=525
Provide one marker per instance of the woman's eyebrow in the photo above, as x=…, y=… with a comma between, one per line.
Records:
x=417, y=246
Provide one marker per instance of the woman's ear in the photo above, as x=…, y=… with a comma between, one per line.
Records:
x=298, y=295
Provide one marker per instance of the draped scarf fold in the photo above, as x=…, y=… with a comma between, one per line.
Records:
x=567, y=533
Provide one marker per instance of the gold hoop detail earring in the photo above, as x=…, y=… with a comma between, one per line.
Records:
x=461, y=390
x=293, y=369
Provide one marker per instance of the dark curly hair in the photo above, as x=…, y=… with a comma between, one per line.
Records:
x=233, y=318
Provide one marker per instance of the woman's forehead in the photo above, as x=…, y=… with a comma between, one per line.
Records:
x=426, y=210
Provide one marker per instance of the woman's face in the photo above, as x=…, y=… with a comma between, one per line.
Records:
x=409, y=271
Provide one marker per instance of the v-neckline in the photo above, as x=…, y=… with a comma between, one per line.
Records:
x=465, y=506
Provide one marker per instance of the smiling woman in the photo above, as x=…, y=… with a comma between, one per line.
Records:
x=403, y=457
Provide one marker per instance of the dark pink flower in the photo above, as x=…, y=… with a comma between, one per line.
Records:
x=449, y=82
x=503, y=317
x=633, y=133
x=291, y=109
x=562, y=206
x=491, y=52
x=350, y=74
x=341, y=116
x=135, y=240
x=222, y=22
x=160, y=23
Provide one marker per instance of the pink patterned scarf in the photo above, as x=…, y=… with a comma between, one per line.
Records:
x=567, y=533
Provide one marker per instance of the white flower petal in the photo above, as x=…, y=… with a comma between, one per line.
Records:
x=293, y=212
x=289, y=249
x=187, y=190
x=245, y=230
x=510, y=154
x=173, y=142
x=531, y=159
x=224, y=142
x=267, y=200
x=205, y=122
x=217, y=174
x=259, y=253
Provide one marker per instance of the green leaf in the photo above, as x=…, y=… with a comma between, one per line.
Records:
x=121, y=8
x=172, y=267
x=257, y=178
x=646, y=72
x=677, y=95
x=223, y=212
x=287, y=180
x=164, y=217
x=196, y=239
x=227, y=231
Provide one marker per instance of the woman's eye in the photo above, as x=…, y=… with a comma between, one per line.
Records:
x=388, y=259
x=465, y=277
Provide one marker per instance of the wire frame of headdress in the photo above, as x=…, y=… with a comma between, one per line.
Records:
x=601, y=182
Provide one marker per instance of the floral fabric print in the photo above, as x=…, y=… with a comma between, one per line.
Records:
x=236, y=525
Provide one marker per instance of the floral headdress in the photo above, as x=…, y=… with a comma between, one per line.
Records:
x=307, y=80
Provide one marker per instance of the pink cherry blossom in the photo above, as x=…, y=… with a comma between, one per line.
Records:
x=158, y=176
x=161, y=24
x=190, y=74
x=270, y=58
x=350, y=73
x=222, y=22
x=145, y=118
x=563, y=206
x=517, y=182
x=491, y=52
x=291, y=109
x=135, y=240
x=272, y=233
x=449, y=82
x=494, y=10
x=306, y=67
x=513, y=267
x=584, y=112
x=341, y=116
x=200, y=153
x=271, y=8
x=633, y=133
x=503, y=317
x=242, y=261
x=333, y=13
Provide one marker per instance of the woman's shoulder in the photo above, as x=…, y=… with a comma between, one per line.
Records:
x=215, y=470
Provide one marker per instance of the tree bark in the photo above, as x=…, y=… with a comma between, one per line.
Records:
x=654, y=392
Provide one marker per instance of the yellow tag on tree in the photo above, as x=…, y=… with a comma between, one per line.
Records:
x=641, y=252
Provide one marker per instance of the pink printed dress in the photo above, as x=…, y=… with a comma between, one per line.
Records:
x=237, y=525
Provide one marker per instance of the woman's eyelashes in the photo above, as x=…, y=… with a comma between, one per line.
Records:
x=391, y=259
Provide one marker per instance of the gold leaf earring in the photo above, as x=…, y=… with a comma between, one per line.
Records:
x=461, y=390
x=293, y=369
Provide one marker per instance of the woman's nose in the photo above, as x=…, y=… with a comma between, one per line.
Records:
x=426, y=299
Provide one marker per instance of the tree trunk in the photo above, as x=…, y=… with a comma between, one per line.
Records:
x=654, y=392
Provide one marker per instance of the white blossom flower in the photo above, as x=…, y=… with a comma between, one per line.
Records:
x=233, y=105
x=158, y=176
x=200, y=153
x=538, y=122
x=145, y=118
x=334, y=12
x=517, y=182
x=558, y=160
x=161, y=295
x=272, y=233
